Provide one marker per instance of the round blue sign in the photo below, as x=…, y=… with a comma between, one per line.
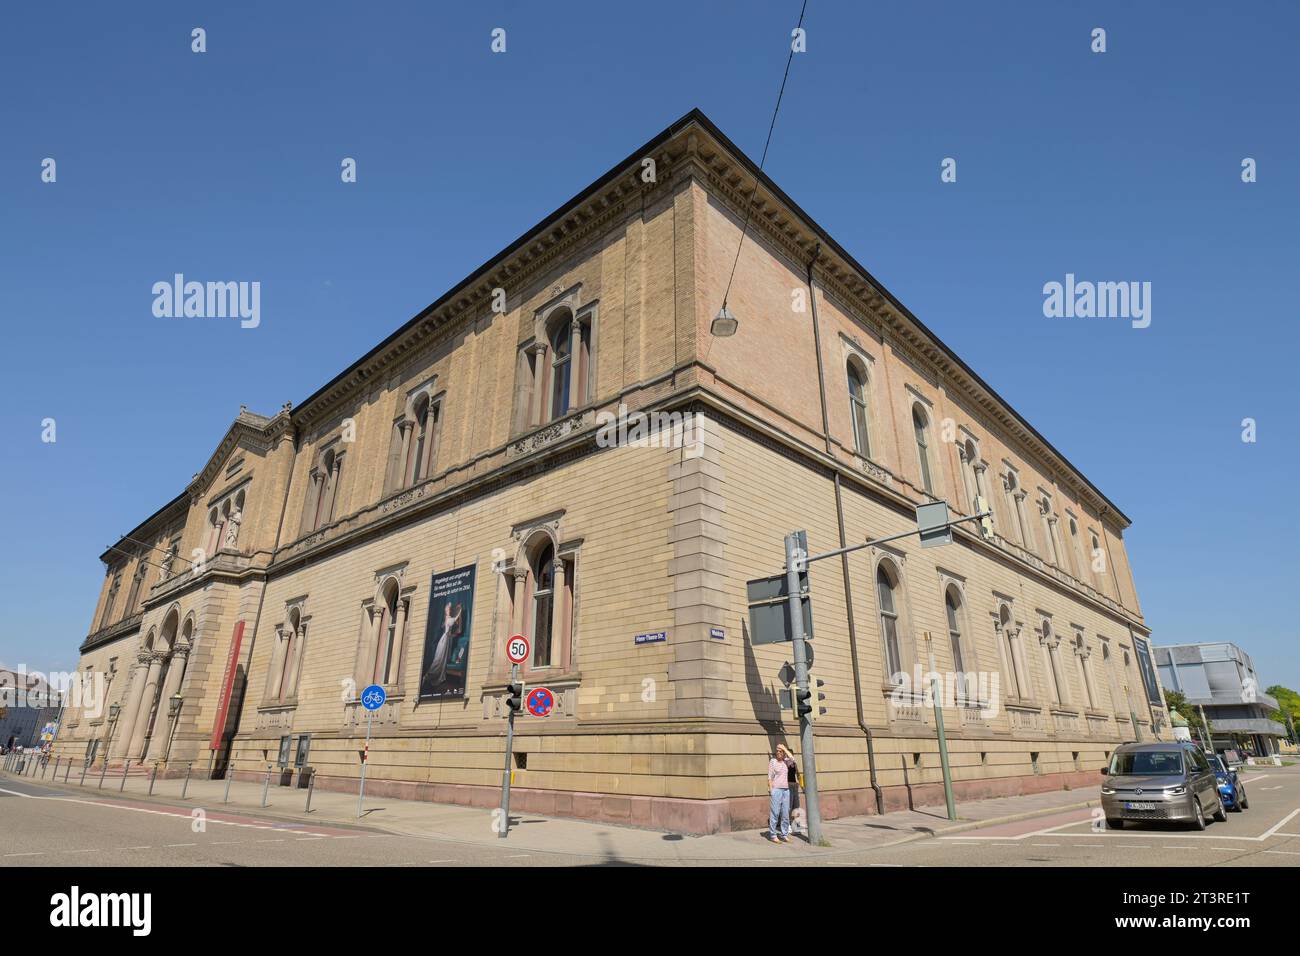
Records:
x=540, y=701
x=373, y=697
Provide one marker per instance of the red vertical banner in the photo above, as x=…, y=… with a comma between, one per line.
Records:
x=227, y=686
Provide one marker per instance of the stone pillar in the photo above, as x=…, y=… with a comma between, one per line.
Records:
x=559, y=639
x=521, y=579
x=132, y=697
x=700, y=673
x=295, y=659
x=403, y=475
x=399, y=628
x=172, y=684
x=368, y=652
x=147, y=694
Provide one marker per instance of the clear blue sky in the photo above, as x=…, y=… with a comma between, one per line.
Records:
x=225, y=165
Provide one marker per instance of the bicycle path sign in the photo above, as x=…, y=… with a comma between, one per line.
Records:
x=373, y=697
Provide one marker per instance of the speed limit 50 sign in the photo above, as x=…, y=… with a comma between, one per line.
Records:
x=517, y=649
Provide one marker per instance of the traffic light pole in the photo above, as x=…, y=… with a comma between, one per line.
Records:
x=504, y=826
x=797, y=560
x=794, y=563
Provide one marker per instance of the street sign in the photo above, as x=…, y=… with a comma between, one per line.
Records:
x=373, y=697
x=932, y=523
x=517, y=649
x=769, y=618
x=540, y=701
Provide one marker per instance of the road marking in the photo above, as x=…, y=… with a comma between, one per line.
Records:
x=442, y=861
x=1135, y=846
x=1284, y=852
x=1281, y=823
x=1044, y=844
x=1278, y=787
x=180, y=844
x=25, y=854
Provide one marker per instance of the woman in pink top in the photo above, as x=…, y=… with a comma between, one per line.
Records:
x=778, y=787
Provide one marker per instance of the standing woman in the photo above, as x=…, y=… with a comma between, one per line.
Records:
x=778, y=787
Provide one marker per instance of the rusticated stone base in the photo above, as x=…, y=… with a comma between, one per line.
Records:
x=696, y=817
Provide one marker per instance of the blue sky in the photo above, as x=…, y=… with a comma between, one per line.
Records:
x=1116, y=166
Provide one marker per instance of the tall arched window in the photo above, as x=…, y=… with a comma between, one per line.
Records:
x=419, y=462
x=952, y=604
x=325, y=480
x=543, y=605
x=857, y=376
x=561, y=341
x=387, y=635
x=921, y=429
x=886, y=593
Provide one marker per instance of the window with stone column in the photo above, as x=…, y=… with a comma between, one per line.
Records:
x=1083, y=654
x=897, y=651
x=1008, y=632
x=414, y=451
x=1050, y=551
x=385, y=635
x=110, y=599
x=323, y=489
x=137, y=581
x=1051, y=661
x=287, y=657
x=859, y=408
x=557, y=366
x=539, y=596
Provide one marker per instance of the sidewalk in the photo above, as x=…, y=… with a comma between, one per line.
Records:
x=562, y=836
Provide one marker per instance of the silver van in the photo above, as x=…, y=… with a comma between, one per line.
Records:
x=1160, y=781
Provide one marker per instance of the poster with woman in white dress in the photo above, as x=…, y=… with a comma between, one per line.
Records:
x=447, y=633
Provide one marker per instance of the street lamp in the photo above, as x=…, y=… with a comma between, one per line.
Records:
x=113, y=711
x=724, y=324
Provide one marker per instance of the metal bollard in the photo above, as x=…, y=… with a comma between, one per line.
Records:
x=67, y=770
x=102, y=770
x=55, y=775
x=229, y=773
x=311, y=785
x=266, y=785
x=126, y=768
x=85, y=768
x=45, y=766
x=186, y=786
x=152, y=777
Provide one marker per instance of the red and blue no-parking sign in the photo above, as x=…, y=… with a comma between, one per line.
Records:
x=540, y=701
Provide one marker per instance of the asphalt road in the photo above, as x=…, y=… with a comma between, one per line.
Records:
x=41, y=826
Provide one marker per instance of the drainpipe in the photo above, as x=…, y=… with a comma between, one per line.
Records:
x=844, y=558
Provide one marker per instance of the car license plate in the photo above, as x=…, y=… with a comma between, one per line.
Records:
x=1139, y=806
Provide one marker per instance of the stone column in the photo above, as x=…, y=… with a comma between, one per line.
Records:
x=147, y=694
x=172, y=684
x=368, y=660
x=131, y=697
x=399, y=642
x=295, y=659
x=575, y=346
x=558, y=639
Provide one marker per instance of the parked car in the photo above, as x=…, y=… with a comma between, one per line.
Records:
x=1232, y=791
x=1162, y=782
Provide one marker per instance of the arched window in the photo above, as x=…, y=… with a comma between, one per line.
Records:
x=419, y=460
x=857, y=376
x=921, y=429
x=1085, y=675
x=387, y=633
x=970, y=478
x=325, y=481
x=952, y=604
x=289, y=651
x=543, y=605
x=886, y=592
x=540, y=593
x=561, y=342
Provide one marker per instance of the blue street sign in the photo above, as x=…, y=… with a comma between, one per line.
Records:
x=373, y=697
x=540, y=702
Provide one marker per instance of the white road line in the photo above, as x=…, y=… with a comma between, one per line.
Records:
x=1281, y=823
x=161, y=813
x=25, y=854
x=1044, y=844
x=1135, y=846
x=180, y=844
x=442, y=861
x=1284, y=852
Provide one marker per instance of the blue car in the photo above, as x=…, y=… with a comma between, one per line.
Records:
x=1231, y=790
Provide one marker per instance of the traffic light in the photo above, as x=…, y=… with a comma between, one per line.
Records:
x=802, y=708
x=986, y=522
x=820, y=697
x=514, y=697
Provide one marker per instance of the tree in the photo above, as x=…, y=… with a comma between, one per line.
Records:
x=1288, y=712
x=1177, y=700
